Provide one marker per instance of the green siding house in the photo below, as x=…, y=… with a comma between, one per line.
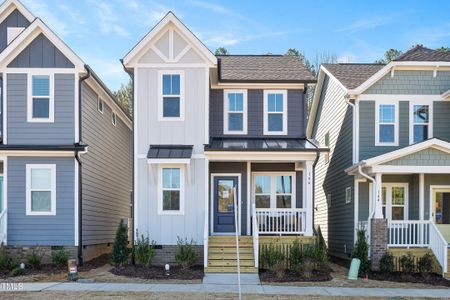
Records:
x=388, y=170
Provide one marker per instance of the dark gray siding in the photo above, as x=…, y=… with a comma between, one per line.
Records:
x=367, y=148
x=41, y=230
x=363, y=204
x=106, y=171
x=296, y=113
x=284, y=167
x=41, y=53
x=15, y=19
x=61, y=131
x=334, y=117
x=234, y=167
x=441, y=120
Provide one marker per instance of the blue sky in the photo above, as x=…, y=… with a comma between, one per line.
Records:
x=101, y=32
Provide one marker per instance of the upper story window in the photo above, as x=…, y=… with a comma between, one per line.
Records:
x=114, y=118
x=100, y=105
x=421, y=128
x=235, y=112
x=171, y=190
x=275, y=112
x=386, y=130
x=40, y=99
x=171, y=106
x=40, y=189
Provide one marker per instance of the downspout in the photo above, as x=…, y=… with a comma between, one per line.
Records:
x=353, y=106
x=80, y=173
x=132, y=159
x=314, y=181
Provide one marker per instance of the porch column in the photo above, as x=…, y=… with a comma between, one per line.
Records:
x=421, y=196
x=378, y=197
x=206, y=223
x=309, y=198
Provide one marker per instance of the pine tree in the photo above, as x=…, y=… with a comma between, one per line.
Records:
x=361, y=251
x=120, y=249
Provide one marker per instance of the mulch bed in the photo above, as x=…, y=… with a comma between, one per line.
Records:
x=44, y=269
x=291, y=276
x=431, y=279
x=158, y=272
x=95, y=263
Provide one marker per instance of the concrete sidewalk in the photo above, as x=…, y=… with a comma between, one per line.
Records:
x=251, y=288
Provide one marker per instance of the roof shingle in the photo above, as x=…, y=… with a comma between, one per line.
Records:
x=352, y=75
x=421, y=53
x=263, y=68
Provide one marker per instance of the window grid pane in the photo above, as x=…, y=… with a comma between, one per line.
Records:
x=171, y=84
x=387, y=113
x=41, y=107
x=41, y=85
x=41, y=179
x=41, y=201
x=235, y=121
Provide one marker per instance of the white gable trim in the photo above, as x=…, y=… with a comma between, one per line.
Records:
x=135, y=53
x=446, y=95
x=28, y=35
x=10, y=5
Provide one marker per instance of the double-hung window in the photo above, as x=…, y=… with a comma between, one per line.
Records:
x=420, y=122
x=275, y=112
x=40, y=99
x=386, y=125
x=40, y=189
x=171, y=190
x=171, y=105
x=274, y=190
x=395, y=201
x=235, y=112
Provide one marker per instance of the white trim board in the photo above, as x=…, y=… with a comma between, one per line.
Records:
x=267, y=156
x=10, y=5
x=433, y=190
x=266, y=112
x=226, y=112
x=52, y=189
x=182, y=189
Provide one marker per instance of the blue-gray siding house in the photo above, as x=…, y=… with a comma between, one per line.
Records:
x=388, y=169
x=63, y=136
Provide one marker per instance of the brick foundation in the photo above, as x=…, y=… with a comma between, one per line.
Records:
x=166, y=255
x=21, y=252
x=378, y=240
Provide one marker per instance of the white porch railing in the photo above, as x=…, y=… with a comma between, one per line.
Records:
x=3, y=229
x=439, y=246
x=255, y=233
x=281, y=221
x=408, y=233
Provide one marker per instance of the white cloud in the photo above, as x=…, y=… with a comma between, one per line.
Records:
x=369, y=23
x=109, y=20
x=228, y=39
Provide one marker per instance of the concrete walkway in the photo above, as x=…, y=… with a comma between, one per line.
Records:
x=250, y=288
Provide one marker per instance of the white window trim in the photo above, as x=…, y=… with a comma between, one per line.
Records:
x=114, y=119
x=389, y=206
x=100, y=100
x=377, y=123
x=52, y=211
x=273, y=194
x=226, y=112
x=51, y=104
x=160, y=189
x=161, y=96
x=266, y=113
x=348, y=195
x=411, y=119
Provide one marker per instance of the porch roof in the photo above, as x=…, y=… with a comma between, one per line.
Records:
x=429, y=156
x=170, y=152
x=263, y=144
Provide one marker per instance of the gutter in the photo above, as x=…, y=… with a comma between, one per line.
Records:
x=314, y=180
x=354, y=129
x=80, y=169
x=132, y=204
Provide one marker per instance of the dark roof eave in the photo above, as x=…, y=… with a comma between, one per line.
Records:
x=313, y=150
x=267, y=81
x=69, y=148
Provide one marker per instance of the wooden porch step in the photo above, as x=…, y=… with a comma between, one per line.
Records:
x=230, y=270
x=230, y=263
x=242, y=256
x=224, y=250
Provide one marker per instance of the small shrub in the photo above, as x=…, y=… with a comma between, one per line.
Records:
x=120, y=251
x=407, y=264
x=387, y=263
x=17, y=271
x=296, y=257
x=186, y=256
x=361, y=251
x=310, y=261
x=144, y=251
x=34, y=259
x=425, y=265
x=7, y=263
x=274, y=260
x=60, y=257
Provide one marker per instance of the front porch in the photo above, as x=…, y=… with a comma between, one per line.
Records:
x=253, y=195
x=410, y=188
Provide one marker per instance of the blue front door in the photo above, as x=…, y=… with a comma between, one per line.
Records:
x=224, y=187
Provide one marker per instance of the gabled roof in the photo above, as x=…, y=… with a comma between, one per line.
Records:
x=352, y=75
x=170, y=17
x=262, y=68
x=421, y=53
x=29, y=34
x=7, y=7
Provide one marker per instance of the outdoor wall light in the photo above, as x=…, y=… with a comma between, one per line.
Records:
x=167, y=268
